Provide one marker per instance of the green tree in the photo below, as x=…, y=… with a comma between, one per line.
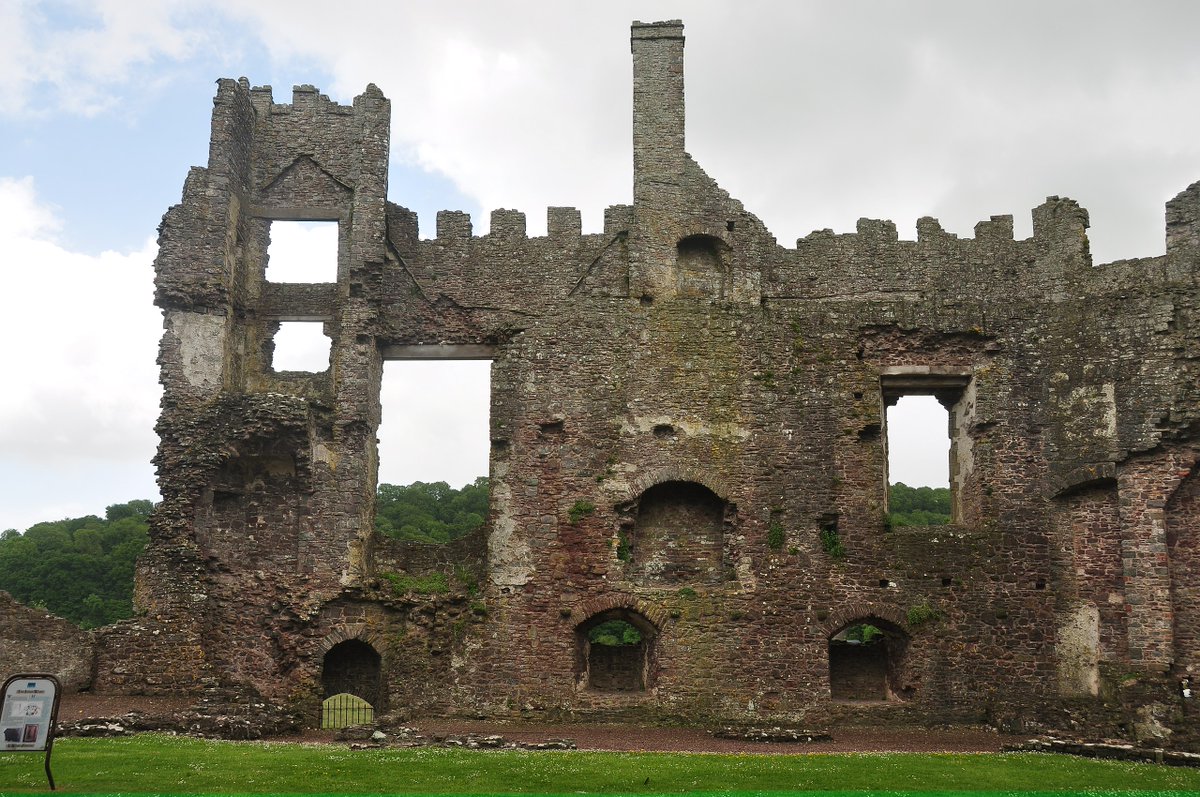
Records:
x=918, y=506
x=430, y=511
x=78, y=568
x=614, y=633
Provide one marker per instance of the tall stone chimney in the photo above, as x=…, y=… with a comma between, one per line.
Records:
x=658, y=154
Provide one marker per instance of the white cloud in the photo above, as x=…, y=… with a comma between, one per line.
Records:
x=81, y=337
x=814, y=114
x=435, y=421
x=82, y=67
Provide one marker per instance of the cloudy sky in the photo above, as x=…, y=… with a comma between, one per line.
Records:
x=812, y=113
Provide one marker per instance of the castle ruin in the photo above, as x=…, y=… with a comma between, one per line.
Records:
x=684, y=413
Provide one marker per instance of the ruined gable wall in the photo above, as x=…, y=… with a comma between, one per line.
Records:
x=680, y=346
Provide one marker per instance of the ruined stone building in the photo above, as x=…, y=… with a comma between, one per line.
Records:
x=688, y=433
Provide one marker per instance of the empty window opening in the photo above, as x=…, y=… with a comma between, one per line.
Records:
x=865, y=661
x=615, y=651
x=300, y=346
x=303, y=251
x=918, y=449
x=678, y=535
x=352, y=667
x=702, y=266
x=433, y=449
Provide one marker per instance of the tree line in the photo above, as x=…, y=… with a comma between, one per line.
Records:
x=918, y=506
x=80, y=568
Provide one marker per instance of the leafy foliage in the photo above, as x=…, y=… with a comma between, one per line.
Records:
x=430, y=512
x=79, y=568
x=831, y=542
x=775, y=536
x=918, y=506
x=432, y=584
x=579, y=510
x=614, y=633
x=862, y=632
x=922, y=613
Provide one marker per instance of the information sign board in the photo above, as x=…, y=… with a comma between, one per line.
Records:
x=27, y=715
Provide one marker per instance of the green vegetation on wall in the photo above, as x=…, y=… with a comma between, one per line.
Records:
x=614, y=633
x=430, y=512
x=918, y=506
x=79, y=568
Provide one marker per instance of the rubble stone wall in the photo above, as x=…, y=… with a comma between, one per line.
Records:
x=680, y=407
x=35, y=641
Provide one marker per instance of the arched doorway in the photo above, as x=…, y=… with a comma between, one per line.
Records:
x=615, y=652
x=866, y=658
x=352, y=667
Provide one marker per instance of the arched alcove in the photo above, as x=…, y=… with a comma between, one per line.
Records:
x=352, y=667
x=866, y=659
x=615, y=652
x=702, y=266
x=677, y=535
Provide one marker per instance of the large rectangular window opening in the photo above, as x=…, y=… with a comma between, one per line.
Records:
x=919, y=435
x=918, y=448
x=300, y=346
x=302, y=251
x=434, y=449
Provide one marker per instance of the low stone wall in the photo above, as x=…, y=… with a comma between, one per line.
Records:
x=33, y=640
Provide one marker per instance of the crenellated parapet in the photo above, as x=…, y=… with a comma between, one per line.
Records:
x=689, y=433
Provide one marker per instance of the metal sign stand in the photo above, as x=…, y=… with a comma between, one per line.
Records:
x=28, y=715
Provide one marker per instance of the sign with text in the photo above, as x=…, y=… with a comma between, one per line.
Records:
x=28, y=713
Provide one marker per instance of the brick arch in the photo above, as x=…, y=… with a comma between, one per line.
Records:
x=858, y=612
x=675, y=473
x=656, y=615
x=345, y=633
x=719, y=233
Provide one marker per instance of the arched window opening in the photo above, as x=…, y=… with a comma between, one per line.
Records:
x=865, y=661
x=616, y=652
x=352, y=667
x=702, y=266
x=678, y=535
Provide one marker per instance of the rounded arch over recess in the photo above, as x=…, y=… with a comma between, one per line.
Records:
x=867, y=652
x=673, y=473
x=616, y=651
x=843, y=617
x=351, y=662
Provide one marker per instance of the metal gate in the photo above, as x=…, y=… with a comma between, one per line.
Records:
x=343, y=710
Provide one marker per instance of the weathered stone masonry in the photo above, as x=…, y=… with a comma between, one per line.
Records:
x=717, y=400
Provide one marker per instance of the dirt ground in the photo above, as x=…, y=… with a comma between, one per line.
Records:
x=607, y=737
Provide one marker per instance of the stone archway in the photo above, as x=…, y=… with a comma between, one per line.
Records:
x=866, y=660
x=352, y=667
x=616, y=651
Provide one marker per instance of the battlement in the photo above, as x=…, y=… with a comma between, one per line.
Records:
x=679, y=370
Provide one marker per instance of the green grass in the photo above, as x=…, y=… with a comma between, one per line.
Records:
x=161, y=764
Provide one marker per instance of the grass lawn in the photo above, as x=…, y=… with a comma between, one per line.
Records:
x=163, y=764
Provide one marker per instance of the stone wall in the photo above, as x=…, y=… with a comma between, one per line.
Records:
x=680, y=406
x=35, y=641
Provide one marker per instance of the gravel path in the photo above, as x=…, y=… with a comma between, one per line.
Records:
x=604, y=737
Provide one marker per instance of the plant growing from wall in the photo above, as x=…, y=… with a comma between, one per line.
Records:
x=775, y=536
x=831, y=542
x=431, y=584
x=624, y=551
x=579, y=510
x=921, y=613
